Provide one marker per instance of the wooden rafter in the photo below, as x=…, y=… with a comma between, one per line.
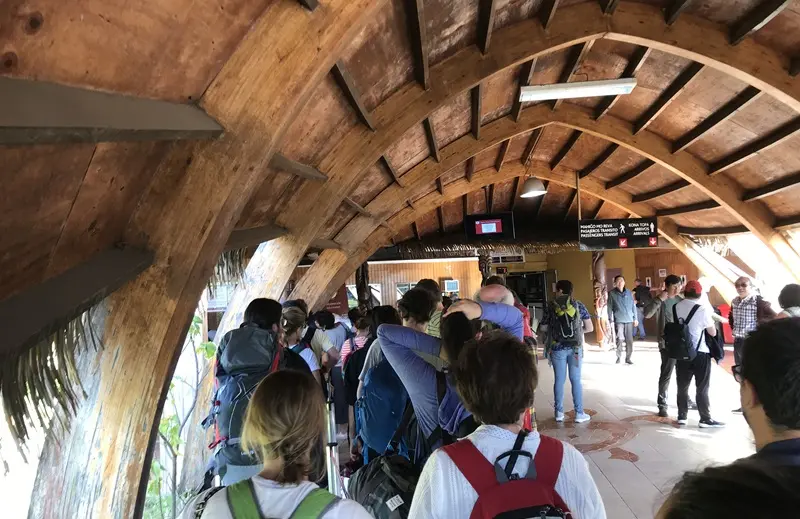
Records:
x=465, y=204
x=674, y=10
x=392, y=171
x=572, y=199
x=477, y=98
x=440, y=216
x=525, y=75
x=322, y=244
x=630, y=175
x=755, y=19
x=430, y=134
x=597, y=211
x=295, y=168
x=748, y=151
x=309, y=4
x=415, y=13
x=609, y=6
x=439, y=186
x=743, y=99
x=794, y=67
x=669, y=188
x=518, y=184
x=35, y=112
x=539, y=206
x=599, y=161
x=486, y=9
x=635, y=64
x=501, y=154
x=346, y=82
x=242, y=238
x=489, y=192
x=668, y=96
x=575, y=57
x=547, y=11
x=357, y=207
x=417, y=235
x=530, y=148
x=789, y=222
x=711, y=231
x=689, y=208
x=564, y=151
x=782, y=184
x=470, y=168
x=35, y=313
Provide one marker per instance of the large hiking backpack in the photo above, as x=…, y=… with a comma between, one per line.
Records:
x=380, y=410
x=243, y=503
x=385, y=485
x=677, y=341
x=566, y=324
x=501, y=493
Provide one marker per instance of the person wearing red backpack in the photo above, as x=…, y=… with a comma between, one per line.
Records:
x=501, y=469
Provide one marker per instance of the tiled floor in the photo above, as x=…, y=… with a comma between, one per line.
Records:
x=634, y=456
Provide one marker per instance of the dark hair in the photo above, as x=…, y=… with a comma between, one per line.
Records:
x=671, y=280
x=771, y=363
x=297, y=303
x=263, y=313
x=383, y=315
x=417, y=304
x=354, y=314
x=618, y=277
x=565, y=286
x=789, y=296
x=432, y=287
x=456, y=330
x=496, y=378
x=446, y=302
x=494, y=280
x=325, y=319
x=362, y=323
x=746, y=488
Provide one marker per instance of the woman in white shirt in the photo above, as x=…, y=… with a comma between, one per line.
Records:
x=496, y=378
x=294, y=321
x=285, y=421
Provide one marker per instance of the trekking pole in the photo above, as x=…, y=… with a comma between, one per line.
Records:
x=332, y=458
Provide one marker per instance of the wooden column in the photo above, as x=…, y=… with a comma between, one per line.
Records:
x=320, y=275
x=100, y=466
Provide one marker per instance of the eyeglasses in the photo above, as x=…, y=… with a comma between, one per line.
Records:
x=742, y=285
x=737, y=373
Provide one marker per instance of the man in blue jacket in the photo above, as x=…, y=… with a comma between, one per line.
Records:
x=622, y=312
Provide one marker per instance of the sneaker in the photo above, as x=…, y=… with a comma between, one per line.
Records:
x=662, y=413
x=682, y=420
x=559, y=417
x=628, y=361
x=705, y=424
x=737, y=410
x=582, y=417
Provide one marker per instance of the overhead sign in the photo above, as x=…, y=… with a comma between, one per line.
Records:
x=630, y=233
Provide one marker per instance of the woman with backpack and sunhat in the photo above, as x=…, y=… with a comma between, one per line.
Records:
x=566, y=322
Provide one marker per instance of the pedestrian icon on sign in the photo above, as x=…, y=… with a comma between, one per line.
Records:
x=621, y=228
x=652, y=228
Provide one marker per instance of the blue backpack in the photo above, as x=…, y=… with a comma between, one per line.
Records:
x=379, y=411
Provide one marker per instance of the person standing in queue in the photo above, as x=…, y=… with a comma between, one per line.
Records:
x=748, y=310
x=622, y=311
x=641, y=293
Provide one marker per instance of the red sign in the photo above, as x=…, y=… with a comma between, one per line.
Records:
x=623, y=243
x=493, y=226
x=338, y=303
x=653, y=241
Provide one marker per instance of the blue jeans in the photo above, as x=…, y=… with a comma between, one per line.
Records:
x=639, y=332
x=564, y=360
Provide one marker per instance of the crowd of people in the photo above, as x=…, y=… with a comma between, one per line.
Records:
x=435, y=399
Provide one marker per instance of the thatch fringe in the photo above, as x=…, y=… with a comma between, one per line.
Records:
x=42, y=382
x=427, y=250
x=718, y=244
x=229, y=270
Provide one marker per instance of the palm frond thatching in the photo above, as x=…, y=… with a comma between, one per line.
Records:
x=229, y=270
x=41, y=383
x=447, y=247
x=718, y=244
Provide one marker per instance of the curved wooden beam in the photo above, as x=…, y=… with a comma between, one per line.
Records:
x=100, y=466
x=689, y=37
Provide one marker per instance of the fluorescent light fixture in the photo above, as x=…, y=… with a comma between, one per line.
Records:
x=532, y=187
x=606, y=87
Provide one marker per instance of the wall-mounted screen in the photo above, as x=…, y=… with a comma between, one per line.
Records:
x=490, y=226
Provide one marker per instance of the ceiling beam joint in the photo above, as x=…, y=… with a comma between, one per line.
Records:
x=564, y=151
x=668, y=96
x=750, y=150
x=486, y=10
x=295, y=168
x=755, y=19
x=433, y=144
x=348, y=86
x=419, y=41
x=669, y=188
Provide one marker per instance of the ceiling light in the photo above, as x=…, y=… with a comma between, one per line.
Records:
x=608, y=87
x=533, y=187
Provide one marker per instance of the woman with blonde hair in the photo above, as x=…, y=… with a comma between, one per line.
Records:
x=284, y=423
x=294, y=320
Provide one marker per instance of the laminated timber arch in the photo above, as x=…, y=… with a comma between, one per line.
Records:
x=690, y=37
x=99, y=468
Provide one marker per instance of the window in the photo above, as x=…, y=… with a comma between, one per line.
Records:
x=451, y=286
x=402, y=288
x=352, y=295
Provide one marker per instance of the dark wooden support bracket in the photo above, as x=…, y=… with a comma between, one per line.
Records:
x=309, y=4
x=525, y=78
x=576, y=56
x=295, y=168
x=630, y=175
x=489, y=191
x=541, y=203
x=572, y=199
x=35, y=112
x=564, y=151
x=599, y=161
x=650, y=195
x=517, y=191
x=748, y=151
x=392, y=171
x=747, y=96
x=439, y=186
x=433, y=144
x=674, y=10
x=501, y=155
x=690, y=208
x=782, y=184
x=477, y=96
x=242, y=238
x=419, y=41
x=794, y=67
x=530, y=148
x=609, y=6
x=755, y=19
x=711, y=231
x=30, y=316
x=440, y=216
x=348, y=86
x=486, y=9
x=636, y=62
x=547, y=11
x=416, y=231
x=668, y=96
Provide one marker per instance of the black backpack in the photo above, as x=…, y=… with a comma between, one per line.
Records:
x=385, y=486
x=352, y=370
x=566, y=329
x=678, y=343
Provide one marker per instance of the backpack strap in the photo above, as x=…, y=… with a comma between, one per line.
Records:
x=203, y=503
x=242, y=501
x=469, y=460
x=693, y=311
x=315, y=505
x=401, y=428
x=548, y=459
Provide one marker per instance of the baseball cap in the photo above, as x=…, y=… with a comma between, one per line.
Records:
x=694, y=286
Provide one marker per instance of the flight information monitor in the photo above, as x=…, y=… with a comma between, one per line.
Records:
x=490, y=226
